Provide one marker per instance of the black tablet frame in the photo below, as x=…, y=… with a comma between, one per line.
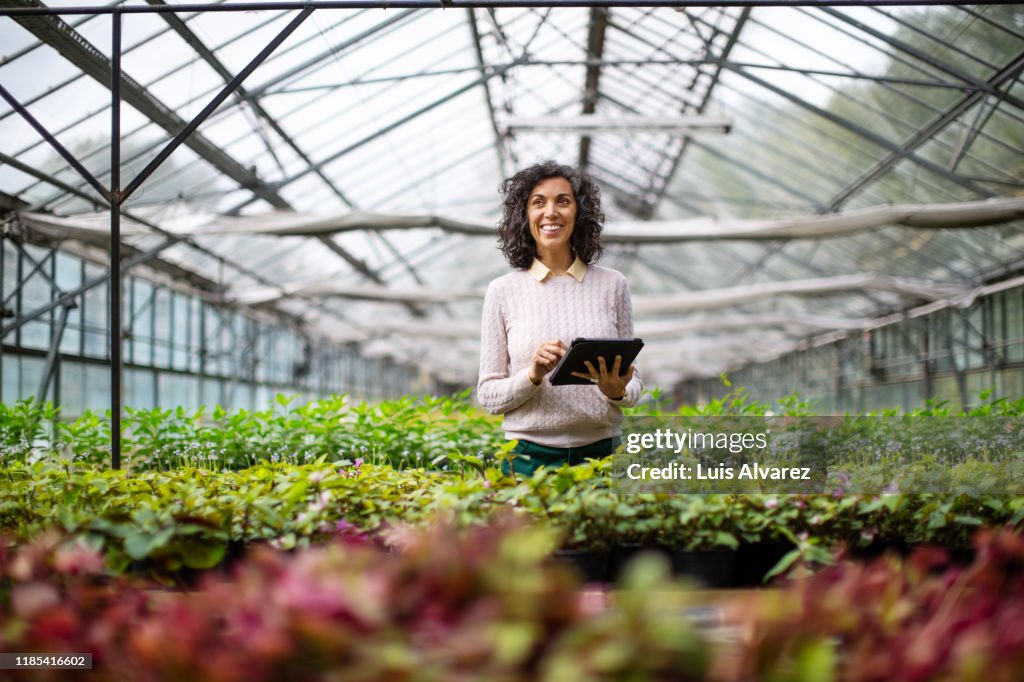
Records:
x=584, y=349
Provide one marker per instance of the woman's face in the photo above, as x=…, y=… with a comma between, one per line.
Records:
x=551, y=212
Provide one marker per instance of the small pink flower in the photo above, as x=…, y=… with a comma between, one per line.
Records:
x=487, y=484
x=343, y=526
x=772, y=503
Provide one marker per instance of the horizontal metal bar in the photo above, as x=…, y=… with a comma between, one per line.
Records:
x=453, y=4
x=591, y=123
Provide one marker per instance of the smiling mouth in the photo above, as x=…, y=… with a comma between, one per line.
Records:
x=550, y=228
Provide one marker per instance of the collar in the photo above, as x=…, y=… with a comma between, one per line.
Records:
x=540, y=272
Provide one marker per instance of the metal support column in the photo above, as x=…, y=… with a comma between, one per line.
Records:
x=115, y=240
x=51, y=355
x=958, y=371
x=927, y=365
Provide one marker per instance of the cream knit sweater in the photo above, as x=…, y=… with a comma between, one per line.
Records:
x=519, y=314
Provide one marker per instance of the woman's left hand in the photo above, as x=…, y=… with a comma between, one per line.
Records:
x=611, y=383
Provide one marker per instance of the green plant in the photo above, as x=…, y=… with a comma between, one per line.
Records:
x=22, y=427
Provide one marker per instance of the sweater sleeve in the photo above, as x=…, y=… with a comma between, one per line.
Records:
x=624, y=322
x=496, y=391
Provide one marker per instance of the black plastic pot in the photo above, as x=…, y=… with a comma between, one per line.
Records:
x=590, y=564
x=754, y=560
x=959, y=555
x=712, y=568
x=879, y=548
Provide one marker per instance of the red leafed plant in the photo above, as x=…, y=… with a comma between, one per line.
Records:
x=448, y=605
x=911, y=620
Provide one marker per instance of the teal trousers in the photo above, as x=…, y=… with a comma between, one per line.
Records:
x=532, y=456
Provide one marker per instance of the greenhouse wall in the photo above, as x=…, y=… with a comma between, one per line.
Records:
x=179, y=347
x=950, y=355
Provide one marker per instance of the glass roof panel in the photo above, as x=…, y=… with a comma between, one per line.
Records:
x=832, y=109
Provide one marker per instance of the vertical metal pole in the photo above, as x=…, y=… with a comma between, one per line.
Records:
x=3, y=309
x=115, y=241
x=51, y=356
x=926, y=338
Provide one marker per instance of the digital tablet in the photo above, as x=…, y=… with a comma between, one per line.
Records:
x=583, y=350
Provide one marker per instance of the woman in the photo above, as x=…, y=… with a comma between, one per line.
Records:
x=550, y=233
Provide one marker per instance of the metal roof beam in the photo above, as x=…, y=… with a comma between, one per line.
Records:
x=384, y=130
x=434, y=4
x=207, y=55
x=182, y=169
x=323, y=57
x=243, y=95
x=186, y=133
x=902, y=93
x=760, y=175
x=595, y=50
x=55, y=143
x=658, y=182
x=1008, y=73
x=864, y=133
x=909, y=49
x=49, y=179
x=935, y=38
x=93, y=62
x=981, y=17
x=726, y=50
x=83, y=54
x=499, y=142
x=905, y=94
x=931, y=260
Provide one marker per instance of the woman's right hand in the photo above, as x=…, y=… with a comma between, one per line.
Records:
x=545, y=358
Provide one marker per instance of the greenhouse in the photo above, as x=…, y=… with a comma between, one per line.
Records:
x=269, y=411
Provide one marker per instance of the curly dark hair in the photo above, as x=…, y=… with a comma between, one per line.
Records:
x=514, y=238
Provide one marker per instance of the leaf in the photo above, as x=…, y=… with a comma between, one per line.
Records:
x=816, y=661
x=474, y=462
x=513, y=641
x=141, y=545
x=937, y=520
x=784, y=564
x=67, y=519
x=723, y=539
x=202, y=555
